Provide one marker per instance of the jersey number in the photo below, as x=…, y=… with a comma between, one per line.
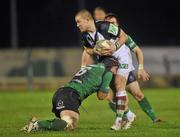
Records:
x=81, y=74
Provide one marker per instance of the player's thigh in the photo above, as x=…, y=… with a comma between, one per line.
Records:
x=65, y=99
x=120, y=82
x=131, y=77
x=125, y=59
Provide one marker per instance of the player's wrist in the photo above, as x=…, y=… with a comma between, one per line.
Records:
x=83, y=66
x=140, y=66
x=117, y=45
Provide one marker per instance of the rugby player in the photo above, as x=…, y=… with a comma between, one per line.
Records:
x=99, y=14
x=132, y=83
x=67, y=99
x=91, y=33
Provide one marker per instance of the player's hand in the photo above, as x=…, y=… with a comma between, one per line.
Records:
x=96, y=52
x=142, y=74
x=106, y=51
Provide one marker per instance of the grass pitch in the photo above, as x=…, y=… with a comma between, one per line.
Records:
x=17, y=107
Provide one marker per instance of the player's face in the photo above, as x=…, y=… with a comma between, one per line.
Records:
x=82, y=23
x=112, y=20
x=114, y=69
x=99, y=15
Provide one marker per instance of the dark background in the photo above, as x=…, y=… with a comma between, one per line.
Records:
x=50, y=23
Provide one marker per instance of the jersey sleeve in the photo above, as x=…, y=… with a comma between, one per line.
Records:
x=130, y=43
x=106, y=79
x=83, y=41
x=107, y=29
x=86, y=40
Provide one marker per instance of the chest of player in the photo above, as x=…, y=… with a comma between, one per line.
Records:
x=89, y=39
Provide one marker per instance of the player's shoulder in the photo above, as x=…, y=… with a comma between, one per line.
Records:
x=102, y=25
x=108, y=27
x=100, y=67
x=86, y=40
x=83, y=35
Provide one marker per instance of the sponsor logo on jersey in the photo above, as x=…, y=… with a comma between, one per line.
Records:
x=124, y=66
x=113, y=29
x=60, y=105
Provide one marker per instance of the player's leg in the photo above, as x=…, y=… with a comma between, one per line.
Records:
x=67, y=121
x=65, y=106
x=137, y=93
x=71, y=119
x=128, y=116
x=121, y=101
x=112, y=96
x=124, y=57
x=56, y=124
x=112, y=99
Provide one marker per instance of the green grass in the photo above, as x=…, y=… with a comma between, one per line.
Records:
x=17, y=107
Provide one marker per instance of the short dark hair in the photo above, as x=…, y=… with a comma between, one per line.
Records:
x=112, y=15
x=100, y=8
x=110, y=61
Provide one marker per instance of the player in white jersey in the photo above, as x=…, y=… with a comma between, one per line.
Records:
x=133, y=84
x=86, y=24
x=125, y=58
x=99, y=14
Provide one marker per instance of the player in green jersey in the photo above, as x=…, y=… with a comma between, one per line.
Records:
x=66, y=101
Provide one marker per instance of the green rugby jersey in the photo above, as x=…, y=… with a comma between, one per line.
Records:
x=91, y=79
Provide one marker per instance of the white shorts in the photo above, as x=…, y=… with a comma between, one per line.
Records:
x=124, y=56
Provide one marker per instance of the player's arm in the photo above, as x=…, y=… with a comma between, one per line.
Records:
x=140, y=59
x=104, y=88
x=86, y=58
x=89, y=51
x=134, y=47
x=122, y=39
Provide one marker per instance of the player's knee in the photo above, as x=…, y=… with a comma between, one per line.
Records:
x=138, y=96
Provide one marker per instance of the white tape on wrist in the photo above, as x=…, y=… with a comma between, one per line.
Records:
x=140, y=66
